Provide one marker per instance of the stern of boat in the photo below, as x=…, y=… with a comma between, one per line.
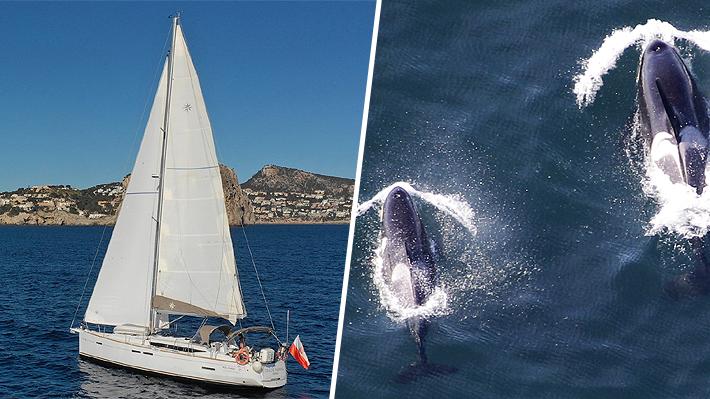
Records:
x=273, y=375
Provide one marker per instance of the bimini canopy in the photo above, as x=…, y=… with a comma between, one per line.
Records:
x=253, y=329
x=205, y=331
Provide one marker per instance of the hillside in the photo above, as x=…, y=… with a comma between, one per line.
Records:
x=288, y=196
x=272, y=178
x=98, y=205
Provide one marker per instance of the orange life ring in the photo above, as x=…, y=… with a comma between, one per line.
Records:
x=242, y=356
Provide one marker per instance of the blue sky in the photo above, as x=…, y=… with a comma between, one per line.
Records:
x=284, y=84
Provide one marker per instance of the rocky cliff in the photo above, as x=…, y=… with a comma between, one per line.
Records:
x=239, y=209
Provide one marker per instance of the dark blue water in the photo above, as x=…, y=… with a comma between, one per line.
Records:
x=560, y=293
x=43, y=271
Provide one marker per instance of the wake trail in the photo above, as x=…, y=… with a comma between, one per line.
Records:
x=452, y=205
x=589, y=81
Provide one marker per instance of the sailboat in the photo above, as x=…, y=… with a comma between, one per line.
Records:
x=171, y=255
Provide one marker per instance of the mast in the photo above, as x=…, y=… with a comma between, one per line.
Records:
x=166, y=123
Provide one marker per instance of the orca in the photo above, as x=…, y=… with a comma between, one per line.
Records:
x=673, y=117
x=410, y=271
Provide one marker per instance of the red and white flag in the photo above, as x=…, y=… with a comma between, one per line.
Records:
x=296, y=350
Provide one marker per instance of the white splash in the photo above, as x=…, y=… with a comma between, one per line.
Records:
x=437, y=304
x=681, y=210
x=588, y=83
x=452, y=205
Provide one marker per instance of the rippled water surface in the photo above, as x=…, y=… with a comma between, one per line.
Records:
x=43, y=271
x=559, y=293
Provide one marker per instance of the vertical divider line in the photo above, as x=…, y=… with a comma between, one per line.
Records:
x=356, y=190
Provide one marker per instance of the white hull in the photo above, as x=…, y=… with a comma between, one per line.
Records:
x=206, y=366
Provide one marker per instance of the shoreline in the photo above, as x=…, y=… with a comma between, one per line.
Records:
x=279, y=223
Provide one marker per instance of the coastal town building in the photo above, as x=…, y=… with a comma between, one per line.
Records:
x=95, y=202
x=99, y=204
x=294, y=207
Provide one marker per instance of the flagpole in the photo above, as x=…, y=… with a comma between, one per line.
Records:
x=288, y=314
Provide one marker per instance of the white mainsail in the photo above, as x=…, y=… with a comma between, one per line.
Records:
x=196, y=267
x=196, y=264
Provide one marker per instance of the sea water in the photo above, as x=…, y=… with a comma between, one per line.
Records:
x=559, y=293
x=44, y=270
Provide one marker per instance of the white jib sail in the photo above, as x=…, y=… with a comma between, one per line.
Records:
x=196, y=268
x=123, y=289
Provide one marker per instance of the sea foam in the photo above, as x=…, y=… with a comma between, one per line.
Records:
x=680, y=210
x=452, y=205
x=603, y=60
